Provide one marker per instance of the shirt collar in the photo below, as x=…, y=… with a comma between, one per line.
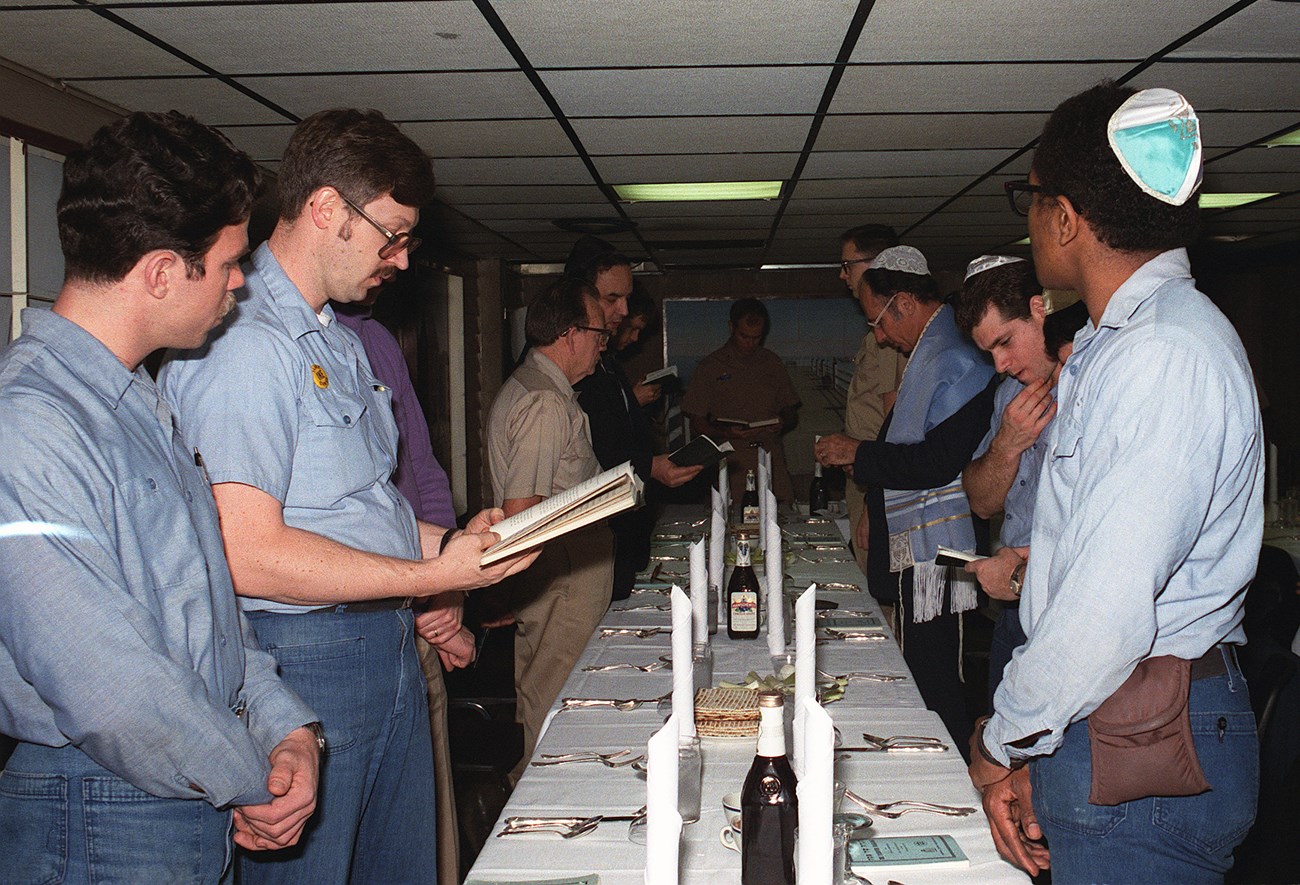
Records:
x=1134, y=291
x=94, y=363
x=286, y=299
x=548, y=367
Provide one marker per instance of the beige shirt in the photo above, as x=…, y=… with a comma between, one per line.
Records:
x=731, y=384
x=538, y=439
x=878, y=371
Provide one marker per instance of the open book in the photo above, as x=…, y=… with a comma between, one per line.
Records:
x=700, y=450
x=948, y=556
x=659, y=374
x=736, y=422
x=600, y=497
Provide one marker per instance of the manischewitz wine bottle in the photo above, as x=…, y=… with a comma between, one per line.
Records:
x=742, y=594
x=749, y=510
x=769, y=808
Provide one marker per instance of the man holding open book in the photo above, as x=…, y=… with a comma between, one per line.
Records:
x=539, y=444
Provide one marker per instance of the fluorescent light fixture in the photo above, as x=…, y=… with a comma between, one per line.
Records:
x=698, y=190
x=1286, y=139
x=822, y=266
x=1229, y=201
x=1024, y=242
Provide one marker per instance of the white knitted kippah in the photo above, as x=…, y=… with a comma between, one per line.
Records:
x=905, y=258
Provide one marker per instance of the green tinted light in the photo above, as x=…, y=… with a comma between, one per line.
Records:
x=1286, y=139
x=702, y=190
x=1228, y=201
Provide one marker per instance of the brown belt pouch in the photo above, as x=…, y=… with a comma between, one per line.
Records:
x=1141, y=737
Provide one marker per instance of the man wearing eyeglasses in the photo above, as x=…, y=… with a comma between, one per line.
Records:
x=299, y=441
x=539, y=444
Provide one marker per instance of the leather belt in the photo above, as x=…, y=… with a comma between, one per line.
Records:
x=391, y=604
x=1211, y=663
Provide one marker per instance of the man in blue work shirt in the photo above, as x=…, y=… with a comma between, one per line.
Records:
x=1147, y=526
x=143, y=709
x=300, y=445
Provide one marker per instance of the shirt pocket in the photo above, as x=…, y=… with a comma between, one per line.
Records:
x=336, y=457
x=157, y=544
x=1067, y=447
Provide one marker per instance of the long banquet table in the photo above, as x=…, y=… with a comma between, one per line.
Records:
x=881, y=708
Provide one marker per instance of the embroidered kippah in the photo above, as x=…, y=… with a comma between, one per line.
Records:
x=908, y=259
x=988, y=262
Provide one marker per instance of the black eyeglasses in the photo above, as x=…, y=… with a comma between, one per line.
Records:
x=605, y=334
x=849, y=262
x=396, y=242
x=1020, y=194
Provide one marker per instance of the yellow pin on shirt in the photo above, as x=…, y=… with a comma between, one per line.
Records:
x=318, y=375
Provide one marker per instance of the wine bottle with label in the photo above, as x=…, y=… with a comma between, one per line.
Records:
x=742, y=595
x=817, y=497
x=749, y=510
x=769, y=807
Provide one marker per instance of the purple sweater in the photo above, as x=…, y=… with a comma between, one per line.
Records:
x=419, y=476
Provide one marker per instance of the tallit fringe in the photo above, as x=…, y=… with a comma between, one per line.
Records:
x=928, y=583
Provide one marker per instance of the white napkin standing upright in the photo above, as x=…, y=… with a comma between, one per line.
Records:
x=683, y=683
x=764, y=479
x=724, y=485
x=699, y=592
x=717, y=552
x=816, y=793
x=663, y=822
x=774, y=569
x=805, y=663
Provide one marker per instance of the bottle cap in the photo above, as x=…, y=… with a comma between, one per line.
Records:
x=771, y=698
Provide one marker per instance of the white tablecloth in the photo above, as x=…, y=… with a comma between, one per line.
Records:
x=590, y=788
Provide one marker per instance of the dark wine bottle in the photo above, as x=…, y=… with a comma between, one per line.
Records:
x=769, y=807
x=749, y=509
x=817, y=498
x=742, y=595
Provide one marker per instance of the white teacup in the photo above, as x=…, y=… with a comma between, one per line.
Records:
x=730, y=838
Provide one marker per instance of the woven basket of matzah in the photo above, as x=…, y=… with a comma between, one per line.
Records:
x=726, y=712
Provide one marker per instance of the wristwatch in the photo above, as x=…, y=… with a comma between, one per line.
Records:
x=1017, y=580
x=318, y=732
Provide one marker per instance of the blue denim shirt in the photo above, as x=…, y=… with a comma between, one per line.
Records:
x=281, y=402
x=1018, y=507
x=119, y=631
x=1149, y=516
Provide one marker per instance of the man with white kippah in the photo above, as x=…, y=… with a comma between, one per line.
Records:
x=1126, y=702
x=912, y=472
x=1004, y=311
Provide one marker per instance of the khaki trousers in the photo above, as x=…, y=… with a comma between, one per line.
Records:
x=445, y=802
x=558, y=603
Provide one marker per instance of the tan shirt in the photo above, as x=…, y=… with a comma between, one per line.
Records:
x=878, y=371
x=730, y=384
x=538, y=441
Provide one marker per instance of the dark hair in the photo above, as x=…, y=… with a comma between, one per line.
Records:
x=639, y=304
x=1059, y=327
x=559, y=308
x=746, y=308
x=888, y=283
x=1074, y=160
x=870, y=239
x=592, y=256
x=150, y=181
x=360, y=153
x=1007, y=287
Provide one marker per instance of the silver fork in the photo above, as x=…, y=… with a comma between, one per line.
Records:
x=610, y=760
x=638, y=632
x=895, y=810
x=906, y=742
x=644, y=668
x=870, y=677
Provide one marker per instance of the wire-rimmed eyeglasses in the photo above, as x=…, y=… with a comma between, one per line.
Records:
x=880, y=316
x=396, y=242
x=605, y=334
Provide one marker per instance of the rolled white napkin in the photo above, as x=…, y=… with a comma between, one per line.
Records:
x=724, y=485
x=774, y=569
x=805, y=660
x=699, y=592
x=663, y=822
x=683, y=684
x=764, y=479
x=816, y=791
x=717, y=552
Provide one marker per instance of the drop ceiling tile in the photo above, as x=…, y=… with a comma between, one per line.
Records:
x=684, y=135
x=206, y=99
x=490, y=138
x=687, y=91
x=454, y=95
x=1237, y=86
x=677, y=32
x=1260, y=30
x=1258, y=160
x=484, y=194
x=544, y=211
x=842, y=164
x=58, y=44
x=262, y=143
x=1252, y=182
x=966, y=87
x=1232, y=129
x=657, y=226
x=696, y=167
x=512, y=170
x=1004, y=30
x=855, y=188
x=868, y=132
x=292, y=38
x=838, y=223
x=699, y=208
x=870, y=208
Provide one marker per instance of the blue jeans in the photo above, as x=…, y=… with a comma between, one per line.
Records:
x=375, y=819
x=65, y=819
x=1185, y=839
x=1008, y=636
